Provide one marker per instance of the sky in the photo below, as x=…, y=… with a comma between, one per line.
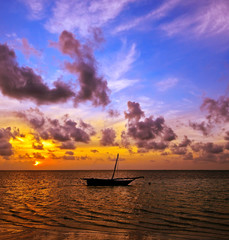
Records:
x=81, y=81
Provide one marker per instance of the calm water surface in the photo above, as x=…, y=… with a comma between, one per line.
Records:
x=163, y=205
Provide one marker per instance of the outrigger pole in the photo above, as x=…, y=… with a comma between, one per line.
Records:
x=115, y=166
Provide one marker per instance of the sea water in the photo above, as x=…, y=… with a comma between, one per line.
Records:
x=163, y=205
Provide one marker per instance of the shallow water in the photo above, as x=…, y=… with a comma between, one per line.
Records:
x=163, y=205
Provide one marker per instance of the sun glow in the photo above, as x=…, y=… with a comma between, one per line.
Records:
x=37, y=163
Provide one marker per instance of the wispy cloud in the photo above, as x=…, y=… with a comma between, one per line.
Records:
x=25, y=47
x=122, y=64
x=36, y=8
x=155, y=14
x=79, y=15
x=164, y=85
x=209, y=19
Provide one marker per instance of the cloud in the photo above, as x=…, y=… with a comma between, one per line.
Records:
x=22, y=83
x=67, y=157
x=188, y=156
x=68, y=145
x=208, y=19
x=79, y=158
x=125, y=142
x=5, y=146
x=25, y=47
x=218, y=110
x=69, y=153
x=207, y=147
x=217, y=113
x=213, y=148
x=152, y=145
x=108, y=137
x=169, y=134
x=164, y=85
x=204, y=127
x=135, y=112
x=226, y=146
x=94, y=151
x=113, y=113
x=227, y=136
x=38, y=155
x=155, y=14
x=185, y=142
x=76, y=15
x=67, y=132
x=116, y=70
x=36, y=8
x=178, y=150
x=6, y=134
x=38, y=146
x=92, y=87
x=147, y=133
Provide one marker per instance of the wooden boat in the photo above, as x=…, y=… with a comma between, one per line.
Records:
x=110, y=181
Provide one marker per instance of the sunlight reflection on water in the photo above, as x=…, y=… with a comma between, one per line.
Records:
x=163, y=205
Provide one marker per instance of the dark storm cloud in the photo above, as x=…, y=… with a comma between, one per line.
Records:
x=147, y=132
x=92, y=87
x=23, y=83
x=204, y=127
x=108, y=137
x=6, y=134
x=218, y=110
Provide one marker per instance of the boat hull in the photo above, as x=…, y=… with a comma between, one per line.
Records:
x=107, y=182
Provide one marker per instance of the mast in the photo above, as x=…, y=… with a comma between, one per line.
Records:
x=115, y=166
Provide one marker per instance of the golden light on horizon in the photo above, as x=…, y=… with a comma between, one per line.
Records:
x=37, y=163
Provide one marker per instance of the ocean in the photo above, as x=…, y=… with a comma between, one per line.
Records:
x=164, y=205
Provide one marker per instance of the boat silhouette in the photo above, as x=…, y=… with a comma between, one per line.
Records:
x=110, y=181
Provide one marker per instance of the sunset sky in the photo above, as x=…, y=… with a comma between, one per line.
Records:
x=81, y=81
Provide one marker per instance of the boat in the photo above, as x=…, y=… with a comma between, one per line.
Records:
x=110, y=181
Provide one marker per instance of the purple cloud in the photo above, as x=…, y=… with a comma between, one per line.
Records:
x=67, y=131
x=6, y=134
x=22, y=83
x=108, y=137
x=148, y=133
x=218, y=110
x=92, y=87
x=204, y=127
